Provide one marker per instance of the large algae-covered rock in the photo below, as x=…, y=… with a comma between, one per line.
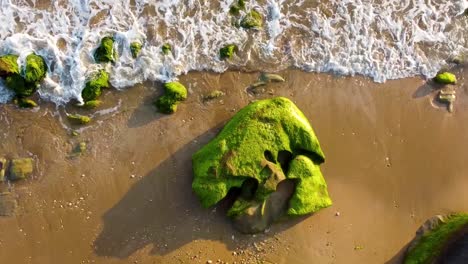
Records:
x=35, y=70
x=20, y=86
x=8, y=65
x=105, y=52
x=94, y=86
x=435, y=238
x=445, y=78
x=20, y=169
x=265, y=143
x=174, y=92
x=253, y=19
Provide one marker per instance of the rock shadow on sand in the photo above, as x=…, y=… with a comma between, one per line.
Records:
x=162, y=211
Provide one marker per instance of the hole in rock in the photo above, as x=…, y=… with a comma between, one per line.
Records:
x=269, y=156
x=248, y=188
x=284, y=157
x=312, y=155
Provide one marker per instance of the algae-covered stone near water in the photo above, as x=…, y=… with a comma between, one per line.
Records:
x=446, y=78
x=265, y=143
x=437, y=238
x=78, y=119
x=35, y=70
x=26, y=103
x=253, y=19
x=135, y=48
x=8, y=65
x=227, y=51
x=174, y=92
x=166, y=49
x=20, y=169
x=105, y=52
x=94, y=86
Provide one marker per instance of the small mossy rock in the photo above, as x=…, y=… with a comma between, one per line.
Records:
x=227, y=52
x=19, y=85
x=236, y=7
x=8, y=65
x=174, y=92
x=3, y=166
x=79, y=119
x=432, y=238
x=94, y=86
x=105, y=52
x=26, y=103
x=166, y=49
x=213, y=95
x=35, y=70
x=20, y=169
x=253, y=19
x=92, y=104
x=257, y=144
x=445, y=78
x=8, y=204
x=135, y=49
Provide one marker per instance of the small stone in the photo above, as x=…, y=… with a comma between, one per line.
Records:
x=209, y=261
x=337, y=214
x=79, y=119
x=7, y=204
x=20, y=169
x=3, y=165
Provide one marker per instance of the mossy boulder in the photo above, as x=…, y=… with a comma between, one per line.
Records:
x=35, y=70
x=236, y=7
x=105, y=52
x=20, y=86
x=94, y=86
x=253, y=19
x=78, y=119
x=135, y=49
x=174, y=92
x=227, y=51
x=445, y=78
x=265, y=143
x=8, y=65
x=26, y=103
x=20, y=169
x=434, y=238
x=166, y=49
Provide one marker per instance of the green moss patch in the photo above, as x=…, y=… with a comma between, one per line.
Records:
x=105, y=52
x=94, y=86
x=236, y=7
x=166, y=49
x=253, y=19
x=265, y=142
x=35, y=70
x=19, y=85
x=227, y=52
x=78, y=119
x=174, y=92
x=135, y=49
x=8, y=65
x=445, y=78
x=431, y=244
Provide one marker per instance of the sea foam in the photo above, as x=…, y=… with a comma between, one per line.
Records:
x=380, y=39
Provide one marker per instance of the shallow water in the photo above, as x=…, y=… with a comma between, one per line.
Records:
x=380, y=39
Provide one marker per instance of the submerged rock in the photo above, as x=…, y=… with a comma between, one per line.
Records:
x=445, y=78
x=94, y=86
x=227, y=52
x=174, y=92
x=435, y=237
x=105, y=52
x=270, y=77
x=8, y=204
x=79, y=119
x=265, y=143
x=20, y=169
x=3, y=165
x=135, y=49
x=447, y=97
x=213, y=95
x=236, y=7
x=166, y=49
x=92, y=104
x=8, y=65
x=253, y=19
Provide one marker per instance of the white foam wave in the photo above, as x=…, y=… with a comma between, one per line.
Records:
x=380, y=39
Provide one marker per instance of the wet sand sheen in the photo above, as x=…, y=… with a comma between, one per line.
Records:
x=392, y=161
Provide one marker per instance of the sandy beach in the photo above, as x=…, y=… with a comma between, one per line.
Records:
x=393, y=159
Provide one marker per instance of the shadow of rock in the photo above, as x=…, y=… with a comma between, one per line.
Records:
x=161, y=210
x=146, y=112
x=399, y=257
x=426, y=89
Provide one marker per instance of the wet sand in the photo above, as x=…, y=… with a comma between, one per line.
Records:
x=392, y=161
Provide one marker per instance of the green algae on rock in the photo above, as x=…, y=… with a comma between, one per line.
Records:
x=94, y=86
x=8, y=65
x=166, y=49
x=26, y=103
x=213, y=95
x=227, y=51
x=35, y=70
x=174, y=92
x=135, y=49
x=20, y=86
x=3, y=166
x=433, y=237
x=20, y=169
x=253, y=19
x=105, y=52
x=236, y=7
x=92, y=104
x=266, y=142
x=445, y=78
x=79, y=119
